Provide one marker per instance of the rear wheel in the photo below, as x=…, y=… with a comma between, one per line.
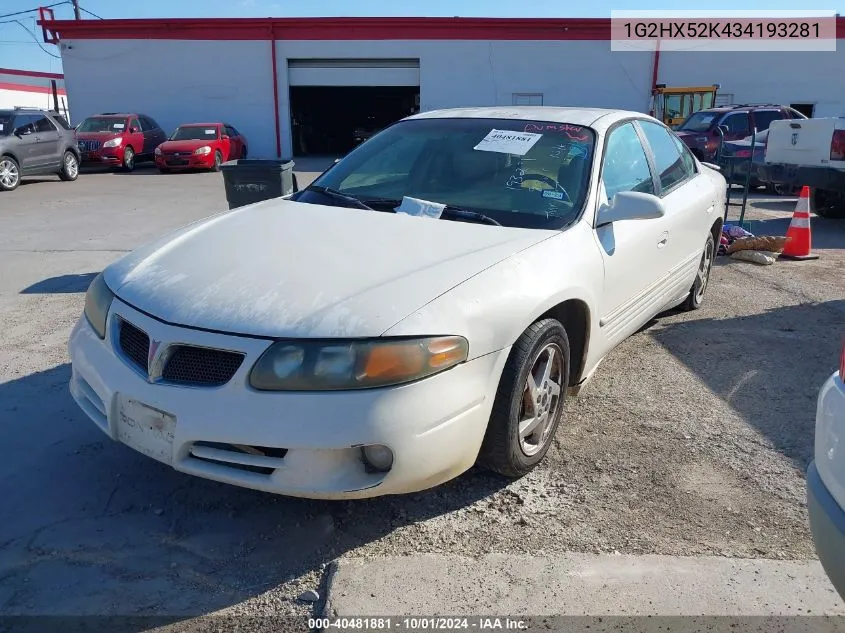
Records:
x=702, y=277
x=829, y=204
x=218, y=160
x=70, y=167
x=10, y=173
x=128, y=159
x=243, y=151
x=779, y=189
x=529, y=402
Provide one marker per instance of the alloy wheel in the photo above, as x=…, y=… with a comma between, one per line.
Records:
x=9, y=174
x=541, y=399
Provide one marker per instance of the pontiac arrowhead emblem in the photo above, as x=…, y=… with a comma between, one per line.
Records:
x=151, y=354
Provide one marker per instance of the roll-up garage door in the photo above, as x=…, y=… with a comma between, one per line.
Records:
x=353, y=72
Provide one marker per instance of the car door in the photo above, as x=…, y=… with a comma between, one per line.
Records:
x=146, y=146
x=158, y=134
x=690, y=203
x=49, y=142
x=26, y=147
x=236, y=143
x=762, y=119
x=738, y=125
x=633, y=251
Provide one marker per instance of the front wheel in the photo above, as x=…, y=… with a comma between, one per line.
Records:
x=218, y=160
x=70, y=167
x=702, y=277
x=128, y=159
x=10, y=174
x=529, y=402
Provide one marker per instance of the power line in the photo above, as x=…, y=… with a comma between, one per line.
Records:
x=49, y=6
x=34, y=37
x=94, y=15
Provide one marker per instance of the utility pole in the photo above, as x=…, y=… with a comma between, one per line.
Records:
x=76, y=12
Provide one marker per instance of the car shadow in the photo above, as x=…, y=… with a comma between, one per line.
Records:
x=749, y=362
x=72, y=283
x=100, y=529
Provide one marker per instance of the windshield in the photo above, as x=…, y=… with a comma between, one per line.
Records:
x=530, y=174
x=699, y=121
x=194, y=133
x=115, y=125
x=5, y=123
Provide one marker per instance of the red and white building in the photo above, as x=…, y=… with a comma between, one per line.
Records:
x=306, y=85
x=31, y=89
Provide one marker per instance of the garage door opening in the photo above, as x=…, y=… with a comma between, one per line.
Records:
x=332, y=120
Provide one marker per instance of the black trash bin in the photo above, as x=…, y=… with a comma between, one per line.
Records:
x=249, y=180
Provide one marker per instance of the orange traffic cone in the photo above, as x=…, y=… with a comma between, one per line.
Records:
x=798, y=238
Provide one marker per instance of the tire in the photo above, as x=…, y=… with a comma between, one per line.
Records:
x=128, y=159
x=10, y=173
x=829, y=204
x=70, y=167
x=243, y=152
x=505, y=450
x=702, y=277
x=218, y=160
x=779, y=189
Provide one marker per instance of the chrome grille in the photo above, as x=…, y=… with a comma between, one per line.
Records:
x=135, y=344
x=200, y=366
x=89, y=146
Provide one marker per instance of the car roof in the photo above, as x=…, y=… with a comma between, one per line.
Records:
x=116, y=114
x=597, y=118
x=199, y=124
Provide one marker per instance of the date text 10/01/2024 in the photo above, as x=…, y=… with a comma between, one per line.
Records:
x=717, y=30
x=417, y=624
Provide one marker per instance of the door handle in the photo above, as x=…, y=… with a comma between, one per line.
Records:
x=664, y=239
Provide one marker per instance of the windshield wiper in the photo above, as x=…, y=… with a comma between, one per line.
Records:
x=472, y=216
x=334, y=193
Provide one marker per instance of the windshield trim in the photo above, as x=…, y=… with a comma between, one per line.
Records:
x=587, y=194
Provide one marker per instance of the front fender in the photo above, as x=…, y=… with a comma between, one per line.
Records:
x=492, y=309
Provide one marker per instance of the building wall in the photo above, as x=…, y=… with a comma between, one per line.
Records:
x=177, y=81
x=773, y=77
x=31, y=90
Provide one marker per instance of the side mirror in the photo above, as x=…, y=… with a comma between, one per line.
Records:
x=134, y=130
x=225, y=136
x=724, y=129
x=631, y=205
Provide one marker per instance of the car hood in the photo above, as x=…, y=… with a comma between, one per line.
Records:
x=688, y=136
x=96, y=136
x=184, y=146
x=288, y=269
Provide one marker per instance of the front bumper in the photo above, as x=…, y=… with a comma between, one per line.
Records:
x=434, y=427
x=185, y=162
x=827, y=523
x=826, y=178
x=103, y=156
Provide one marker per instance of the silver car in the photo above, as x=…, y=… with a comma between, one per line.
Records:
x=35, y=142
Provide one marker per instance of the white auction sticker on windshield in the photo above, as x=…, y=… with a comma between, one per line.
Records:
x=119, y=126
x=210, y=132
x=508, y=142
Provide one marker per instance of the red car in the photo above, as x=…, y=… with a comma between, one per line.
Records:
x=200, y=146
x=118, y=140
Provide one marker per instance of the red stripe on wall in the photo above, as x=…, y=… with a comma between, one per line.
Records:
x=30, y=73
x=44, y=90
x=403, y=28
x=336, y=29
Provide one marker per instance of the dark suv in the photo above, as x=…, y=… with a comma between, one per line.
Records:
x=35, y=142
x=700, y=130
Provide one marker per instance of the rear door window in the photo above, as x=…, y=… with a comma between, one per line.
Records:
x=43, y=124
x=671, y=166
x=763, y=118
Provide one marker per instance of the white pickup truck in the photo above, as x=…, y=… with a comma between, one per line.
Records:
x=810, y=152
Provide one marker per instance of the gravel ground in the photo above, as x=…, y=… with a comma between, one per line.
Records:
x=691, y=439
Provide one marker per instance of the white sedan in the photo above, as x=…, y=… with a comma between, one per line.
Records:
x=826, y=478
x=425, y=305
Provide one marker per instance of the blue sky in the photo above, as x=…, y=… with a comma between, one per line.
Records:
x=19, y=50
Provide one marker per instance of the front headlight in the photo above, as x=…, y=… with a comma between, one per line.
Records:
x=113, y=142
x=158, y=151
x=202, y=151
x=339, y=365
x=97, y=303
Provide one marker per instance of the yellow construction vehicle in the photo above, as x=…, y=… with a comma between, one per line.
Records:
x=674, y=105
